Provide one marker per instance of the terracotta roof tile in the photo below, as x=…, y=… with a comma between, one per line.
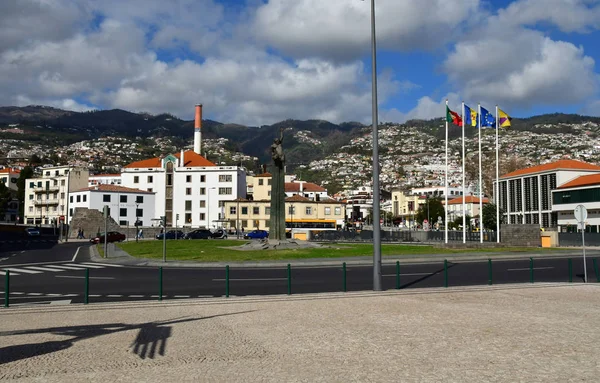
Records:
x=591, y=179
x=114, y=188
x=264, y=175
x=558, y=165
x=297, y=198
x=307, y=187
x=468, y=199
x=9, y=170
x=192, y=159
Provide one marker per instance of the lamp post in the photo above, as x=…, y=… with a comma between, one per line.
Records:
x=237, y=222
x=137, y=230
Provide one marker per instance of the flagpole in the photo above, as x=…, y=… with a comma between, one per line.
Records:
x=446, y=184
x=480, y=183
x=464, y=207
x=497, y=184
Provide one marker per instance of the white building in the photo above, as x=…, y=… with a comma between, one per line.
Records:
x=46, y=197
x=9, y=177
x=105, y=179
x=126, y=205
x=584, y=190
x=438, y=191
x=455, y=207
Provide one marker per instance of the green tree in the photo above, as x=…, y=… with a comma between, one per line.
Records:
x=489, y=216
x=458, y=221
x=26, y=173
x=436, y=209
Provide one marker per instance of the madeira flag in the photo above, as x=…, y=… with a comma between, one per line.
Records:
x=503, y=119
x=470, y=116
x=453, y=117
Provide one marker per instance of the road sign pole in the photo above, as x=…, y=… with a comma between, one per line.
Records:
x=6, y=288
x=583, y=247
x=581, y=214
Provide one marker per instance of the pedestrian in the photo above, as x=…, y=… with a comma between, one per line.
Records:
x=82, y=234
x=141, y=234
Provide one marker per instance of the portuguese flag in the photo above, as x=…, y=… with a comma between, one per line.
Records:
x=453, y=117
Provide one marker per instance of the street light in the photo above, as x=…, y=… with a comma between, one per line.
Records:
x=137, y=230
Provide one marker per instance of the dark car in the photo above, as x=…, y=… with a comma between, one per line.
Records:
x=199, y=234
x=219, y=234
x=113, y=236
x=171, y=234
x=32, y=232
x=256, y=234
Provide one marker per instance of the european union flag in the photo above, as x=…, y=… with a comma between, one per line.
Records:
x=487, y=119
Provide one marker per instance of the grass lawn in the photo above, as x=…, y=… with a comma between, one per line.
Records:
x=221, y=251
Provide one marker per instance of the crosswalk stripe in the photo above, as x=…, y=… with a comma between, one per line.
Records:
x=23, y=271
x=43, y=268
x=101, y=264
x=3, y=272
x=68, y=267
x=86, y=266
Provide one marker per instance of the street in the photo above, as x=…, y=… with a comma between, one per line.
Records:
x=56, y=275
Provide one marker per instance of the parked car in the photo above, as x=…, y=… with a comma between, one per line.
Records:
x=219, y=234
x=171, y=234
x=113, y=236
x=256, y=234
x=199, y=234
x=32, y=232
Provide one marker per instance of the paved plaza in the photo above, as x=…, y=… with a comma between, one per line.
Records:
x=518, y=333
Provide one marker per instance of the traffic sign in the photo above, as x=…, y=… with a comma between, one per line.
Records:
x=61, y=218
x=580, y=213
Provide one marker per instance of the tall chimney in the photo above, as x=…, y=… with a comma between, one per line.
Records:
x=198, y=129
x=181, y=158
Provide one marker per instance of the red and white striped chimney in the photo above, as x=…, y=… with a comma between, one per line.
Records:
x=198, y=129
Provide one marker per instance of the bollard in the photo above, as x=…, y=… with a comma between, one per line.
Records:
x=160, y=283
x=344, y=276
x=570, y=270
x=596, y=269
x=489, y=272
x=397, y=275
x=227, y=281
x=289, y=278
x=530, y=270
x=6, y=288
x=86, y=296
x=445, y=273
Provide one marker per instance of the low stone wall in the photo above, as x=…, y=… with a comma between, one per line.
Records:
x=521, y=235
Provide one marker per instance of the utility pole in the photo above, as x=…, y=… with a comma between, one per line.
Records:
x=105, y=231
x=164, y=225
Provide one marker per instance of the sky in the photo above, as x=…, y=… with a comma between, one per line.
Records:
x=257, y=62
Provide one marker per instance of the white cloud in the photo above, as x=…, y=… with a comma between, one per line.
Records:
x=591, y=109
x=425, y=109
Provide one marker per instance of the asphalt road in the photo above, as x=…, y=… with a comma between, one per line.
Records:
x=51, y=276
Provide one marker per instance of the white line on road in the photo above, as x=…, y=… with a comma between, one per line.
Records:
x=26, y=271
x=61, y=302
x=75, y=256
x=43, y=268
x=84, y=265
x=410, y=274
x=100, y=264
x=54, y=295
x=250, y=279
x=68, y=267
x=135, y=296
x=35, y=294
x=79, y=277
x=181, y=296
x=527, y=268
x=114, y=296
x=2, y=272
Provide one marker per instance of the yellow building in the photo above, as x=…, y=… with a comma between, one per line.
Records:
x=406, y=205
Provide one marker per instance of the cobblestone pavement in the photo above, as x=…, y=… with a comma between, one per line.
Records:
x=540, y=333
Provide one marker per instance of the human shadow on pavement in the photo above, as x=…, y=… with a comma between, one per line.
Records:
x=151, y=336
x=426, y=277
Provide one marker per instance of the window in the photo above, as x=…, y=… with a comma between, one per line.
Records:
x=32, y=184
x=260, y=181
x=202, y=191
x=150, y=190
x=225, y=178
x=221, y=203
x=255, y=210
x=269, y=182
x=169, y=179
x=188, y=217
x=62, y=195
x=309, y=210
x=55, y=183
x=47, y=173
x=225, y=191
x=202, y=203
x=291, y=210
x=244, y=210
x=188, y=191
x=39, y=184
x=327, y=211
x=188, y=205
x=62, y=182
x=71, y=199
x=150, y=179
x=139, y=212
x=78, y=198
x=202, y=178
x=31, y=196
x=123, y=212
x=31, y=209
x=244, y=223
x=39, y=197
x=202, y=217
x=70, y=212
x=123, y=223
x=268, y=211
x=232, y=210
x=139, y=199
x=269, y=193
x=136, y=179
x=267, y=223
x=188, y=178
x=106, y=198
x=338, y=211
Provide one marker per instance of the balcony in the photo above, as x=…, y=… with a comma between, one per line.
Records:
x=52, y=201
x=42, y=189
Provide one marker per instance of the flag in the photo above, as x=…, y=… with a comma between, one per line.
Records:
x=453, y=117
x=503, y=119
x=470, y=116
x=487, y=119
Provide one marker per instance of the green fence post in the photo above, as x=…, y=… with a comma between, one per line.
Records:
x=570, y=270
x=6, y=288
x=289, y=278
x=489, y=272
x=445, y=273
x=530, y=270
x=397, y=275
x=160, y=283
x=227, y=281
x=86, y=296
x=344, y=276
x=596, y=270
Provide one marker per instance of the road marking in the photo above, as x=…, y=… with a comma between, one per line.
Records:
x=35, y=294
x=68, y=267
x=135, y=296
x=22, y=251
x=94, y=295
x=101, y=264
x=250, y=279
x=54, y=295
x=17, y=293
x=75, y=256
x=86, y=266
x=3, y=272
x=80, y=277
x=23, y=271
x=181, y=296
x=410, y=274
x=114, y=296
x=527, y=268
x=61, y=302
x=43, y=268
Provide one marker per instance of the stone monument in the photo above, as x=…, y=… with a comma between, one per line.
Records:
x=277, y=218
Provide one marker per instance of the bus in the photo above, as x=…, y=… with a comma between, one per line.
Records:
x=299, y=228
